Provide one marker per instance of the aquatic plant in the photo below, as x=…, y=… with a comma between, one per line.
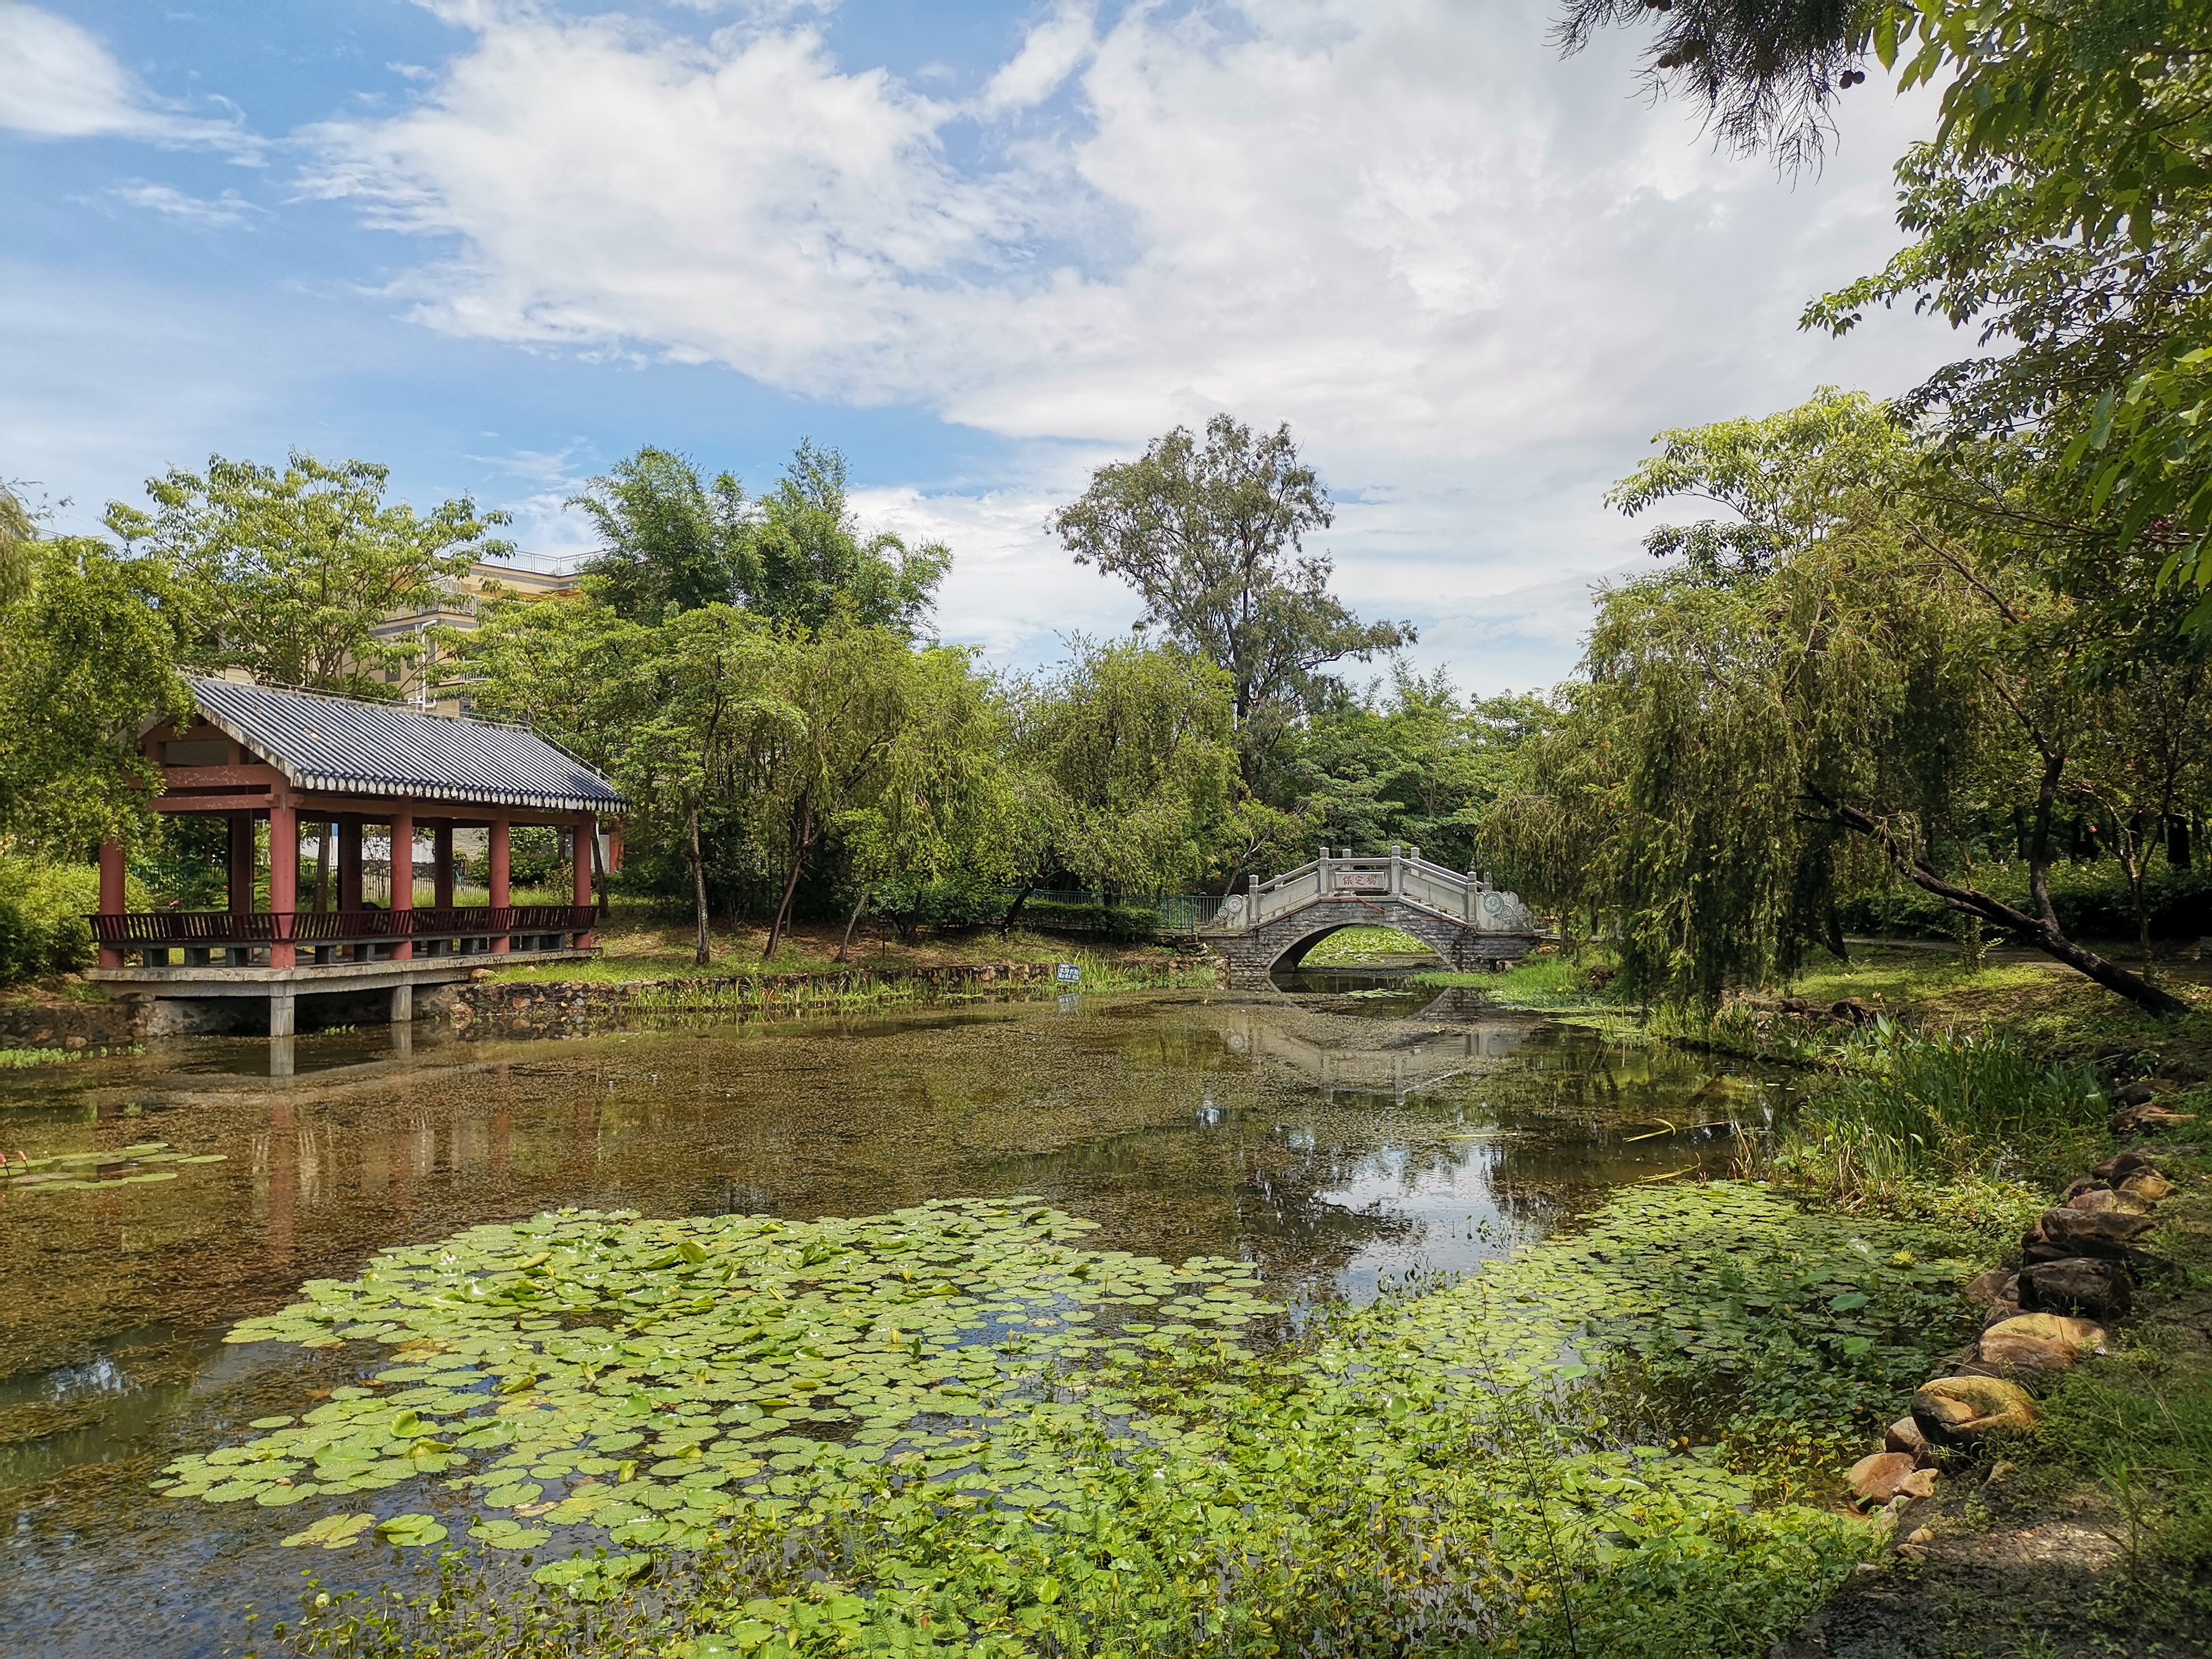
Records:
x=85, y=1172
x=951, y=1426
x=1919, y=1109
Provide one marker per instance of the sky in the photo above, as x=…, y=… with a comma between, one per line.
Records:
x=982, y=248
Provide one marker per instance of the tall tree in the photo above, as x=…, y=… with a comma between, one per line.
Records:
x=291, y=573
x=1892, y=683
x=88, y=644
x=670, y=540
x=813, y=564
x=1128, y=761
x=680, y=716
x=1211, y=537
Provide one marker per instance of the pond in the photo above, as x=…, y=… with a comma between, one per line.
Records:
x=1337, y=1142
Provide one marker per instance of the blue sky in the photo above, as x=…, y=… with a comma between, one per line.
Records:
x=980, y=248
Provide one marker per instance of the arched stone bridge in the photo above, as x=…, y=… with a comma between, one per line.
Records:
x=1469, y=924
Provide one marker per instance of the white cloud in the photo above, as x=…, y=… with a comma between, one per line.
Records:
x=1053, y=50
x=1474, y=278
x=230, y=209
x=57, y=81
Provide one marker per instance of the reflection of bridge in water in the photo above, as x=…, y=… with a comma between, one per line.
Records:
x=1465, y=920
x=1418, y=1058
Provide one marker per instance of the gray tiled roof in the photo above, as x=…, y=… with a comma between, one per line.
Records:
x=339, y=745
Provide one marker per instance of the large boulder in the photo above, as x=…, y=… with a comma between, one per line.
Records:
x=1995, y=1286
x=2120, y=1166
x=2098, y=1199
x=1904, y=1435
x=1956, y=1411
x=2077, y=1285
x=2037, y=1344
x=2133, y=1120
x=2064, y=1232
x=2146, y=1186
x=1876, y=1479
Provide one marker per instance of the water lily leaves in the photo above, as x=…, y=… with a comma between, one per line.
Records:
x=92, y=1171
x=332, y=1532
x=411, y=1531
x=502, y=1534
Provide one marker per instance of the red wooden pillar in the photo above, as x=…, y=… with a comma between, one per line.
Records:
x=497, y=860
x=350, y=893
x=403, y=876
x=441, y=851
x=283, y=878
x=111, y=898
x=241, y=863
x=579, y=878
x=580, y=883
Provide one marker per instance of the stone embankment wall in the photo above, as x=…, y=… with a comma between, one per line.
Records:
x=579, y=1008
x=71, y=1025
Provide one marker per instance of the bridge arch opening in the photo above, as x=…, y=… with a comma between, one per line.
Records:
x=1294, y=956
x=1356, y=945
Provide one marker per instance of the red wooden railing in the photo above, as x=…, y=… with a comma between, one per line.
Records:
x=219, y=928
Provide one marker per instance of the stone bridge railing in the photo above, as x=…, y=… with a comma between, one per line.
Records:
x=1401, y=874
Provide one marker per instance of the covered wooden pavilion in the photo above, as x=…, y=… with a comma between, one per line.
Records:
x=254, y=754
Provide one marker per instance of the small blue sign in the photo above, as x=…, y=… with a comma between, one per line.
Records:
x=1068, y=973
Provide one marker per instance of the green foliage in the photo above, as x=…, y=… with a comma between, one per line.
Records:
x=1920, y=1110
x=43, y=909
x=1124, y=761
x=671, y=541
x=1880, y=681
x=2092, y=901
x=1766, y=74
x=86, y=650
x=2063, y=205
x=1118, y=924
x=1211, y=535
x=1417, y=767
x=1422, y=1475
x=288, y=574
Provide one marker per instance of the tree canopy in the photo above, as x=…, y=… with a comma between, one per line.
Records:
x=1211, y=535
x=670, y=540
x=289, y=574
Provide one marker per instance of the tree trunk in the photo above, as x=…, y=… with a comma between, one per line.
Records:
x=800, y=843
x=845, y=948
x=2041, y=932
x=1832, y=925
x=1014, y=910
x=2177, y=842
x=698, y=885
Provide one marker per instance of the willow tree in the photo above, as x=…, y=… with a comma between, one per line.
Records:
x=1125, y=762
x=1884, y=677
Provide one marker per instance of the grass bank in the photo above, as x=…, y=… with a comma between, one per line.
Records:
x=640, y=943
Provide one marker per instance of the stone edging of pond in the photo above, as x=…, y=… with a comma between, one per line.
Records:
x=2077, y=1265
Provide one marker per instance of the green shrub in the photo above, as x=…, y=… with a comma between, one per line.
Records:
x=43, y=909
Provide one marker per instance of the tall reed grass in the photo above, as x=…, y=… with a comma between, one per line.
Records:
x=1915, y=1109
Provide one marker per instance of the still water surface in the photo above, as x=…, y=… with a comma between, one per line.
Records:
x=1338, y=1141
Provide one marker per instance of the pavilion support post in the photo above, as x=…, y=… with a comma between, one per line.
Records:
x=284, y=881
x=442, y=854
x=111, y=895
x=403, y=882
x=282, y=1011
x=402, y=1004
x=241, y=863
x=497, y=860
x=579, y=878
